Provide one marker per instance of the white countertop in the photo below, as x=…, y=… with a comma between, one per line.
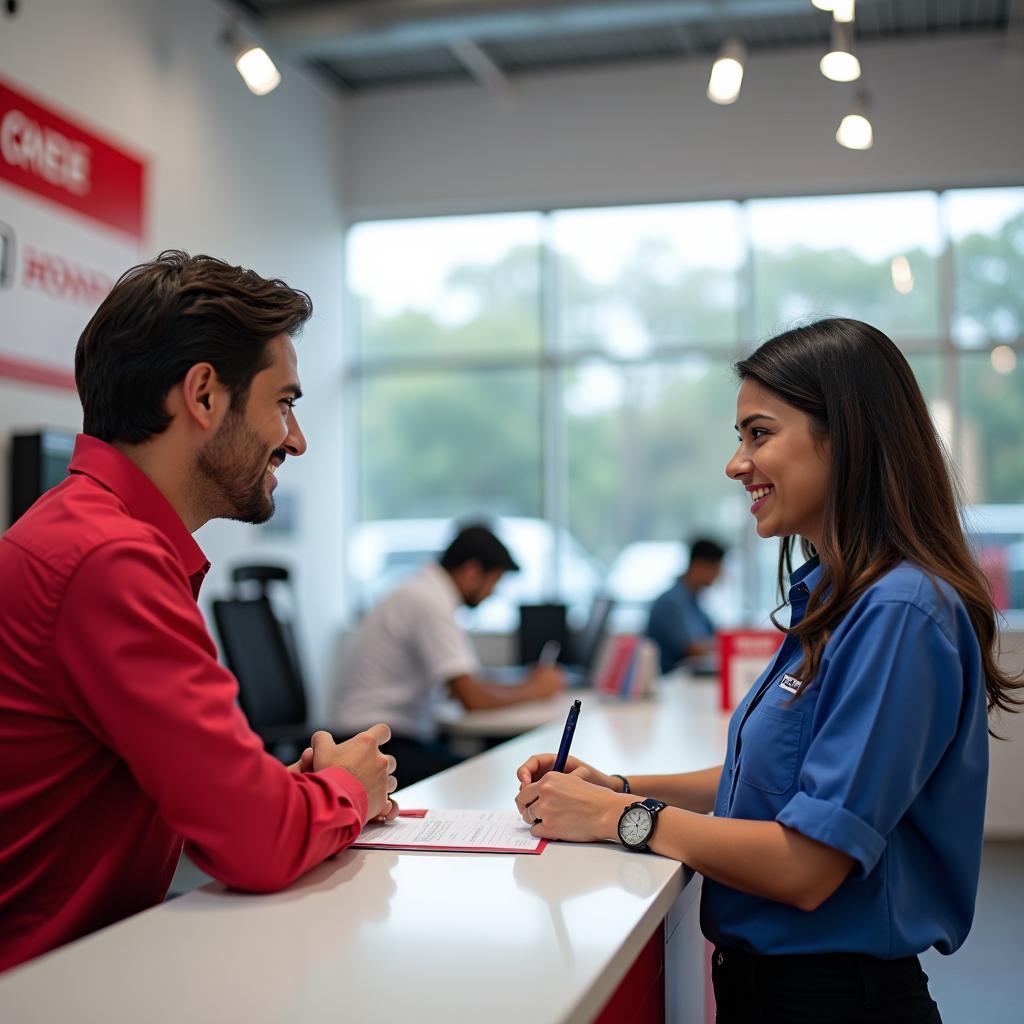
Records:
x=385, y=936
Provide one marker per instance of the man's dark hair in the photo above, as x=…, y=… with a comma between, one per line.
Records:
x=704, y=549
x=163, y=317
x=477, y=544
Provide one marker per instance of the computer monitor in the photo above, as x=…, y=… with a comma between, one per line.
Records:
x=588, y=641
x=39, y=461
x=539, y=623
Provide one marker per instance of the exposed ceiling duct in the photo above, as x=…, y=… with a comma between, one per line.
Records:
x=367, y=44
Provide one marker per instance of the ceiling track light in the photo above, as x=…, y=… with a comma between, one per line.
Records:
x=1004, y=359
x=855, y=131
x=843, y=11
x=840, y=64
x=727, y=73
x=252, y=62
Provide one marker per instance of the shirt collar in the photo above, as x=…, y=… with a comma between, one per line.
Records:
x=809, y=574
x=119, y=475
x=442, y=580
x=801, y=583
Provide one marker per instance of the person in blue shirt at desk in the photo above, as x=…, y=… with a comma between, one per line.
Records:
x=677, y=623
x=847, y=829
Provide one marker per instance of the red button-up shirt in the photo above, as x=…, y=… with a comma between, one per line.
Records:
x=119, y=731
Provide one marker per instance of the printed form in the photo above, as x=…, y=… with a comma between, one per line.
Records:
x=452, y=832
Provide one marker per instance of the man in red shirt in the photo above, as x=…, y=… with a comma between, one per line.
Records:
x=119, y=731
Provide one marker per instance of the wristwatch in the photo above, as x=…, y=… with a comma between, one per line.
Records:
x=636, y=824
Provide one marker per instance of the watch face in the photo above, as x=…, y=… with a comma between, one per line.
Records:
x=635, y=826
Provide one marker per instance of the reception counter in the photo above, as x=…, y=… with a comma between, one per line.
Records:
x=425, y=937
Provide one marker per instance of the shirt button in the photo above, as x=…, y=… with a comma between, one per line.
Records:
x=719, y=959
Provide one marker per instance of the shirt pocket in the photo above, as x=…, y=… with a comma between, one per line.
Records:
x=771, y=749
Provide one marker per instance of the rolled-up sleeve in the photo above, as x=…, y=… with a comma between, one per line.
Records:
x=892, y=688
x=143, y=677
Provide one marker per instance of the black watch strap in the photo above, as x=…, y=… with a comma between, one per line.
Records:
x=654, y=808
x=625, y=782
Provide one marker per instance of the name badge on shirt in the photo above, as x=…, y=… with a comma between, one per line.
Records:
x=791, y=684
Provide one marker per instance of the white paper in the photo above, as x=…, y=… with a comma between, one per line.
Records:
x=443, y=829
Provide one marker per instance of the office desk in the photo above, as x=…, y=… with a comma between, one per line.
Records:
x=384, y=936
x=514, y=720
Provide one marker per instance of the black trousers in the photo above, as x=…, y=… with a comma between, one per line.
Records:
x=826, y=988
x=417, y=760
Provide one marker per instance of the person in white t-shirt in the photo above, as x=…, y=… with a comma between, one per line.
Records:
x=409, y=653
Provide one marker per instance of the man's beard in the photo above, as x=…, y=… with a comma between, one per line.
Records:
x=231, y=468
x=476, y=598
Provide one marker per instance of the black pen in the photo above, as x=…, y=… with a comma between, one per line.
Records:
x=570, y=728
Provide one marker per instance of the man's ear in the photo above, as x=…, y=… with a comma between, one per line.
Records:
x=204, y=399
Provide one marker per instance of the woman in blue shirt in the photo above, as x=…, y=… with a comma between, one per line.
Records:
x=847, y=827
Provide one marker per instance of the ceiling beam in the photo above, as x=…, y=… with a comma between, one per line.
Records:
x=480, y=65
x=377, y=28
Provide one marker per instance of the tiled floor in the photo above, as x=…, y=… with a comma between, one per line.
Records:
x=983, y=982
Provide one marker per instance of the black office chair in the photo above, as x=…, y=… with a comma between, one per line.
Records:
x=259, y=648
x=255, y=581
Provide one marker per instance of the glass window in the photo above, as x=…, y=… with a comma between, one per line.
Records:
x=602, y=338
x=873, y=258
x=930, y=371
x=986, y=227
x=450, y=443
x=447, y=284
x=646, y=452
x=436, y=447
x=634, y=279
x=992, y=427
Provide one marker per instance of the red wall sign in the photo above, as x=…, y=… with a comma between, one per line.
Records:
x=72, y=220
x=46, y=154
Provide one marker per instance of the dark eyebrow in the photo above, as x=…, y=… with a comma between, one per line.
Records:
x=291, y=389
x=754, y=416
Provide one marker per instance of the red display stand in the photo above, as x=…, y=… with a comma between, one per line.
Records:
x=742, y=656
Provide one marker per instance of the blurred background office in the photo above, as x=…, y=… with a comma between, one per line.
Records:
x=535, y=244
x=536, y=235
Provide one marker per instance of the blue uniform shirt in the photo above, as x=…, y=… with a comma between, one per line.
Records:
x=884, y=756
x=676, y=620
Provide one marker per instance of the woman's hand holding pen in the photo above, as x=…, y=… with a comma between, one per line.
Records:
x=564, y=805
x=575, y=805
x=539, y=765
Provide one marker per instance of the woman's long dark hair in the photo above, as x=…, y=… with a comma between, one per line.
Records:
x=891, y=493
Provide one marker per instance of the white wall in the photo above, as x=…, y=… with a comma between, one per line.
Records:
x=252, y=180
x=946, y=112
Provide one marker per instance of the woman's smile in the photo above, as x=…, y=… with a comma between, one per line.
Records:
x=759, y=494
x=781, y=464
